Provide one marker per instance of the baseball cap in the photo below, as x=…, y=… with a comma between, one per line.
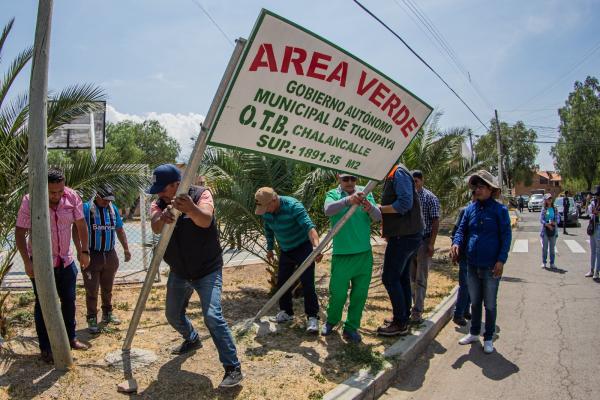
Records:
x=162, y=176
x=263, y=197
x=547, y=196
x=105, y=192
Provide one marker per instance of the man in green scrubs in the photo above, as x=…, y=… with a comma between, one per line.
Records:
x=352, y=261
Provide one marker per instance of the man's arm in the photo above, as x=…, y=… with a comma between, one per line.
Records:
x=82, y=231
x=404, y=194
x=158, y=218
x=123, y=240
x=21, y=243
x=332, y=207
x=435, y=225
x=314, y=240
x=202, y=213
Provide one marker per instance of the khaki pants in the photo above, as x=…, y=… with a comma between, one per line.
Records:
x=419, y=272
x=100, y=274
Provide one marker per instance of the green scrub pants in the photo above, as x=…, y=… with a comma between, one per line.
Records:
x=346, y=270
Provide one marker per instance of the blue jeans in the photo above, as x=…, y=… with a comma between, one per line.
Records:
x=179, y=291
x=463, y=300
x=548, y=243
x=595, y=250
x=65, y=279
x=396, y=273
x=483, y=288
x=288, y=261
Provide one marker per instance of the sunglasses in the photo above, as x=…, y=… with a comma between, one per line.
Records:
x=349, y=179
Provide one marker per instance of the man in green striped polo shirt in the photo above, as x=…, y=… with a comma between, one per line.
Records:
x=286, y=220
x=352, y=261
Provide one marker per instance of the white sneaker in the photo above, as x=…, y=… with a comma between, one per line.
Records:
x=596, y=275
x=552, y=266
x=469, y=339
x=312, y=326
x=543, y=265
x=488, y=346
x=282, y=317
x=589, y=274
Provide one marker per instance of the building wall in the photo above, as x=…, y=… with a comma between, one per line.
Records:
x=553, y=187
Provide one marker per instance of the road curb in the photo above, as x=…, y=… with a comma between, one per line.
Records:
x=364, y=385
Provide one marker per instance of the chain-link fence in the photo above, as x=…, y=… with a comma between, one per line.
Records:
x=140, y=239
x=141, y=242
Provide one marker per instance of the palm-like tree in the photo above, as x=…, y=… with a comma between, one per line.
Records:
x=83, y=174
x=234, y=177
x=439, y=155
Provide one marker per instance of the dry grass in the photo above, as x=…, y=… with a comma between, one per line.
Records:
x=289, y=364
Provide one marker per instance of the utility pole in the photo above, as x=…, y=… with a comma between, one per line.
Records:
x=38, y=191
x=500, y=180
x=471, y=144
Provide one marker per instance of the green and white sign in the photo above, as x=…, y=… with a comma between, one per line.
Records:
x=297, y=96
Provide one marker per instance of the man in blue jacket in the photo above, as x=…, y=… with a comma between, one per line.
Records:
x=485, y=232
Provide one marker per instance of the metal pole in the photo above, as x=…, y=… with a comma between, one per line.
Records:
x=143, y=225
x=500, y=180
x=92, y=137
x=38, y=190
x=471, y=144
x=309, y=260
x=186, y=181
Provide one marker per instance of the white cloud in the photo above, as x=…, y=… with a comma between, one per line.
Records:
x=182, y=127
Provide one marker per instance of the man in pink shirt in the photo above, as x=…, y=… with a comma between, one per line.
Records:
x=65, y=210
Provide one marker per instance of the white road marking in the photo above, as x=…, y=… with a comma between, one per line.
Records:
x=574, y=246
x=521, y=246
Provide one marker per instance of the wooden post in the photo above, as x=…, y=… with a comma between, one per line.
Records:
x=38, y=192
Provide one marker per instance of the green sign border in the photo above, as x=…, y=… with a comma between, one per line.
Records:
x=264, y=12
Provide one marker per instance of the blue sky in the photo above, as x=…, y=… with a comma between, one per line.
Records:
x=163, y=59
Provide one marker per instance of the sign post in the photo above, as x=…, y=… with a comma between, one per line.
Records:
x=130, y=385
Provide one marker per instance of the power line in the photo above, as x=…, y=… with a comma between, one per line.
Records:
x=441, y=44
x=421, y=59
x=591, y=52
x=214, y=22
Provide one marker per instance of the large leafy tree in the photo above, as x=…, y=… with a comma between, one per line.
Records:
x=577, y=151
x=82, y=173
x=145, y=143
x=518, y=152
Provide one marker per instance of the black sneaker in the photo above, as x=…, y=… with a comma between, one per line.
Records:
x=233, y=377
x=460, y=321
x=393, y=329
x=187, y=346
x=467, y=316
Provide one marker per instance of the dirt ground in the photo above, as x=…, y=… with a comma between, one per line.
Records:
x=288, y=364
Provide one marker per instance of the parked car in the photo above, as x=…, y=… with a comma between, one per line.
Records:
x=572, y=218
x=535, y=203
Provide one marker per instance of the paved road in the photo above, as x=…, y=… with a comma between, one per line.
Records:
x=548, y=344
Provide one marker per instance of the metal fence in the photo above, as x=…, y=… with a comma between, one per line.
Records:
x=141, y=241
